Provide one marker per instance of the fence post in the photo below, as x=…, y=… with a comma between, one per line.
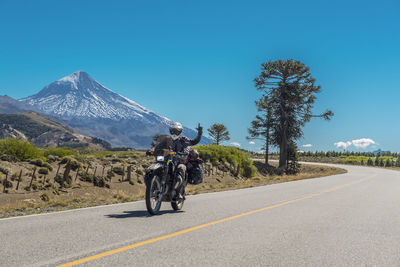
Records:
x=58, y=169
x=123, y=174
x=129, y=173
x=111, y=173
x=66, y=173
x=5, y=183
x=19, y=180
x=33, y=175
x=77, y=172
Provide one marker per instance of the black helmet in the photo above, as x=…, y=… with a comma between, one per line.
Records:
x=176, y=129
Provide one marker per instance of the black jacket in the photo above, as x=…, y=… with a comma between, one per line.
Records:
x=183, y=142
x=177, y=145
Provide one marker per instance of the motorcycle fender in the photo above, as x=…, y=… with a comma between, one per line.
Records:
x=155, y=166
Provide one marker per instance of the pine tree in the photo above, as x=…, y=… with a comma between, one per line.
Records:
x=261, y=127
x=291, y=91
x=219, y=133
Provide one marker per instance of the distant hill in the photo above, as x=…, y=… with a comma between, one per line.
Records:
x=9, y=105
x=44, y=132
x=82, y=103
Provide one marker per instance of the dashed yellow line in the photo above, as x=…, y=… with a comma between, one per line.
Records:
x=118, y=250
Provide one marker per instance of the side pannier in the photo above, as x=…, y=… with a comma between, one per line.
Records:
x=195, y=172
x=195, y=168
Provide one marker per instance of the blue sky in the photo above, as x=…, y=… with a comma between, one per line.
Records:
x=194, y=61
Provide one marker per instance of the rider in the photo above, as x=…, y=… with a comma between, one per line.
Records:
x=180, y=144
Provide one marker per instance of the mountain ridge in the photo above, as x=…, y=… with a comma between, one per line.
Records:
x=44, y=132
x=9, y=105
x=79, y=101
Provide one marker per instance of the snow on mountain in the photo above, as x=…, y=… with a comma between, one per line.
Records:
x=79, y=95
x=92, y=109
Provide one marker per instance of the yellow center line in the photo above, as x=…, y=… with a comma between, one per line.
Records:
x=139, y=244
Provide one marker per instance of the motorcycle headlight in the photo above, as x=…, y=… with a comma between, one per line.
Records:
x=160, y=158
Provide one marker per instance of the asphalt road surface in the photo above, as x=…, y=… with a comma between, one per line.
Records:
x=344, y=220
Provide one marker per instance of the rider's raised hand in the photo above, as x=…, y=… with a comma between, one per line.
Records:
x=199, y=128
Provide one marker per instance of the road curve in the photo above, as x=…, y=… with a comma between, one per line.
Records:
x=351, y=219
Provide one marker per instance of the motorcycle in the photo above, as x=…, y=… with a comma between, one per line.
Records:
x=160, y=177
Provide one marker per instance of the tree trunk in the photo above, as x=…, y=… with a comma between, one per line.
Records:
x=283, y=150
x=267, y=147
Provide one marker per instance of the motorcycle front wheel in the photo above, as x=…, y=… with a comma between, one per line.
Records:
x=153, y=195
x=178, y=204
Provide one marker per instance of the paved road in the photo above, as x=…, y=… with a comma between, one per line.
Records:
x=344, y=220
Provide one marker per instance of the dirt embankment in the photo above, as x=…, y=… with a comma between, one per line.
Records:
x=108, y=179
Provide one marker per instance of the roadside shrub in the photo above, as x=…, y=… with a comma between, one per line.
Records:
x=99, y=181
x=145, y=165
x=48, y=166
x=240, y=161
x=14, y=177
x=118, y=170
x=34, y=186
x=8, y=158
x=22, y=150
x=73, y=162
x=7, y=184
x=4, y=170
x=388, y=163
x=58, y=179
x=44, y=171
x=36, y=162
x=44, y=197
x=110, y=174
x=59, y=152
x=86, y=177
x=51, y=159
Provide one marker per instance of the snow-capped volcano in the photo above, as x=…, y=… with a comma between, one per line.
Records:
x=94, y=110
x=79, y=95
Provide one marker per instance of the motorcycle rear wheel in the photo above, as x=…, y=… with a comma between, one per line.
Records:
x=153, y=195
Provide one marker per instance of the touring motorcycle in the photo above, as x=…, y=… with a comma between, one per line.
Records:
x=160, y=176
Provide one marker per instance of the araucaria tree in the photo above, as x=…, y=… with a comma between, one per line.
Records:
x=261, y=127
x=291, y=93
x=219, y=133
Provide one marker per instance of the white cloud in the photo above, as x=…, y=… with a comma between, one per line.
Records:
x=252, y=143
x=358, y=143
x=343, y=145
x=307, y=145
x=363, y=143
x=236, y=144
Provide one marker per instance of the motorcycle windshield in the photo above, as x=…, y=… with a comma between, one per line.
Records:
x=163, y=145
